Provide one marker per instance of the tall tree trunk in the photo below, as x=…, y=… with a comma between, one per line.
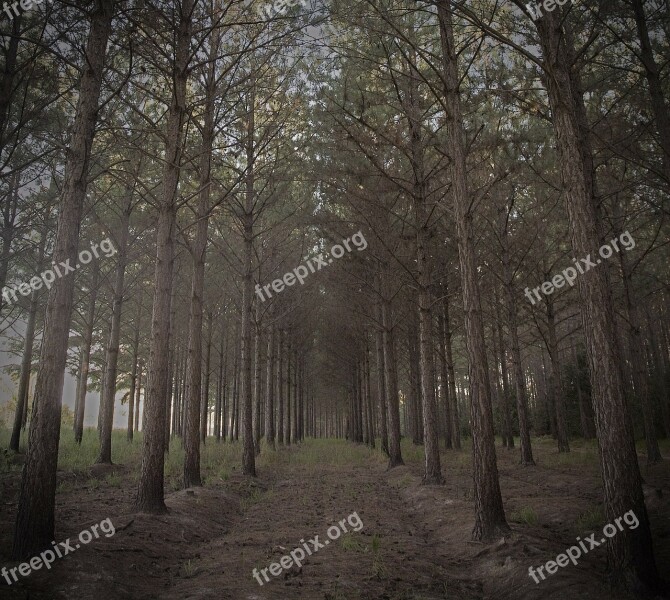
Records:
x=270, y=387
x=368, y=397
x=653, y=73
x=248, y=453
x=585, y=409
x=515, y=354
x=137, y=397
x=257, y=381
x=630, y=552
x=24, y=378
x=554, y=384
x=507, y=408
x=204, y=414
x=444, y=377
x=9, y=209
x=150, y=494
x=108, y=395
x=35, y=518
x=198, y=252
x=638, y=366
x=21, y=414
x=414, y=398
x=281, y=349
x=7, y=83
x=455, y=418
x=287, y=420
x=133, y=374
x=381, y=383
x=489, y=513
x=391, y=377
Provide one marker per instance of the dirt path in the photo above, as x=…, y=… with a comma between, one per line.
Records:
x=302, y=502
x=414, y=543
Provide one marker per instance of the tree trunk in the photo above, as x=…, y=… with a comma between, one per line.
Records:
x=137, y=397
x=269, y=394
x=630, y=552
x=455, y=418
x=489, y=513
x=281, y=349
x=391, y=377
x=507, y=408
x=515, y=355
x=204, y=414
x=381, y=384
x=638, y=366
x=653, y=73
x=257, y=381
x=248, y=454
x=555, y=387
x=24, y=378
x=193, y=399
x=108, y=395
x=150, y=494
x=133, y=374
x=35, y=518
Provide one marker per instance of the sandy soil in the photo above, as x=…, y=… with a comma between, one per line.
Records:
x=414, y=544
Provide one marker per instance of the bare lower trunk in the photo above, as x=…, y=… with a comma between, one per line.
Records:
x=515, y=355
x=24, y=378
x=455, y=417
x=281, y=349
x=133, y=375
x=555, y=387
x=381, y=386
x=270, y=387
x=391, y=376
x=108, y=395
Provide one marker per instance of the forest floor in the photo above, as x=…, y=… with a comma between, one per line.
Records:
x=414, y=543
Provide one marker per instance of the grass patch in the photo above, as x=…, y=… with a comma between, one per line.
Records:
x=593, y=518
x=525, y=515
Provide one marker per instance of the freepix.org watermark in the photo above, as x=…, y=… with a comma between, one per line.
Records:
x=535, y=8
x=300, y=273
x=58, y=551
x=574, y=552
x=46, y=278
x=298, y=555
x=12, y=9
x=582, y=265
x=279, y=7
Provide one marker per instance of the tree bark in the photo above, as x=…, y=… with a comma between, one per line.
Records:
x=150, y=494
x=35, y=519
x=489, y=513
x=555, y=387
x=108, y=395
x=133, y=374
x=630, y=553
x=515, y=355
x=381, y=384
x=455, y=417
x=24, y=378
x=391, y=377
x=270, y=386
x=193, y=400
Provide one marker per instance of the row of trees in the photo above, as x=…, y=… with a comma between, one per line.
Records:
x=479, y=151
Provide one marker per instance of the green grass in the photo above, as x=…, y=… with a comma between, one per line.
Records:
x=524, y=515
x=591, y=519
